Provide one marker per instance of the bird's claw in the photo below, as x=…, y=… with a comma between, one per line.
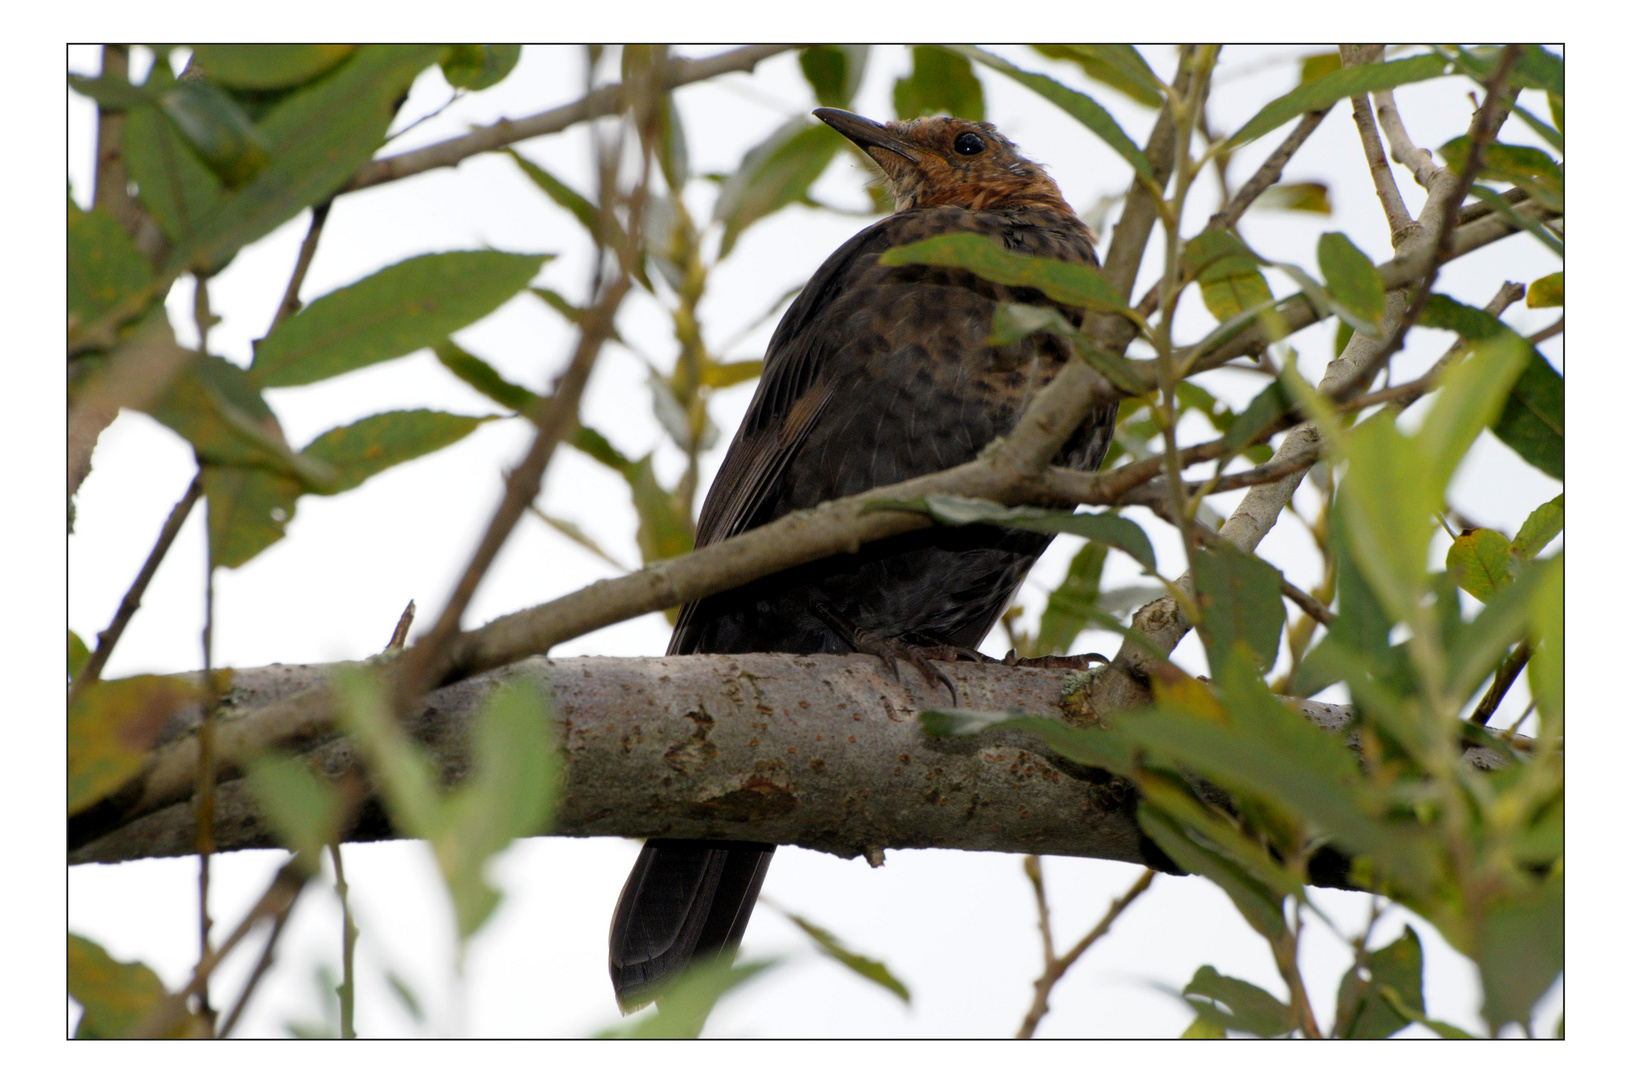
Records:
x=1051, y=663
x=889, y=651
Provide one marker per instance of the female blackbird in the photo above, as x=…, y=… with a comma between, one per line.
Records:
x=876, y=374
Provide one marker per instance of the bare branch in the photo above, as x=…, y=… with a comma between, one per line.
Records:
x=1268, y=173
x=1402, y=149
x=1394, y=207
x=605, y=101
x=1056, y=967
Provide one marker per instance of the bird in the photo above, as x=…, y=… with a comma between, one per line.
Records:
x=874, y=375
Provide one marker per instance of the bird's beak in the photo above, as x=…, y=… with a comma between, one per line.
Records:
x=867, y=135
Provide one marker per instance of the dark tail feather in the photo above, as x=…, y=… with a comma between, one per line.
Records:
x=683, y=899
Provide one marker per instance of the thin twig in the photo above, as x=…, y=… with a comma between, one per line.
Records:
x=307, y=251
x=132, y=596
x=267, y=957
x=278, y=897
x=1506, y=673
x=1546, y=332
x=1056, y=966
x=403, y=626
x=347, y=988
x=1401, y=148
x=1307, y=603
x=206, y=784
x=1394, y=207
x=1268, y=173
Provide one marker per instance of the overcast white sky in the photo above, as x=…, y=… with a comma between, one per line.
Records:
x=956, y=927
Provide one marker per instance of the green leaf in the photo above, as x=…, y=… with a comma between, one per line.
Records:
x=1352, y=280
x=111, y=726
x=664, y=529
x=1205, y=1026
x=1227, y=272
x=218, y=128
x=406, y=779
x=318, y=137
x=718, y=376
x=1063, y=282
x=775, y=173
x=78, y=655
x=1529, y=167
x=1333, y=87
x=1545, y=522
x=212, y=404
x=1439, y=1027
x=1555, y=105
x=592, y=443
x=1469, y=323
x=1240, y=596
x=1013, y=322
x=1081, y=107
x=873, y=970
x=103, y=265
x=176, y=187
x=1479, y=561
x=834, y=72
x=1361, y=627
x=1267, y=407
x=511, y=794
x=367, y=447
x=1521, y=951
x=941, y=81
x=1096, y=747
x=1364, y=1012
x=1479, y=646
x=1532, y=421
x=957, y=510
x=112, y=94
x=116, y=997
x=1118, y=66
x=1547, y=662
x=266, y=67
x=1314, y=66
x=1072, y=603
x=411, y=305
x=1531, y=225
x=687, y=1003
x=580, y=206
x=1546, y=291
x=1253, y=899
x=483, y=377
x=1309, y=197
x=1245, y=1007
x=1387, y=512
x=477, y=67
x=249, y=508
x=302, y=808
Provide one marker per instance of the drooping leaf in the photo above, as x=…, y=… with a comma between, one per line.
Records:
x=1470, y=323
x=1309, y=197
x=1118, y=66
x=1254, y=901
x=483, y=377
x=266, y=67
x=1110, y=529
x=1364, y=1012
x=1521, y=951
x=664, y=531
x=215, y=406
x=941, y=81
x=580, y=206
x=1227, y=272
x=103, y=265
x=1479, y=562
x=1070, y=606
x=218, y=128
x=775, y=173
x=176, y=187
x=1532, y=421
x=1333, y=87
x=1387, y=511
x=301, y=807
x=1546, y=291
x=1063, y=282
x=477, y=67
x=111, y=726
x=1242, y=1005
x=369, y=446
x=116, y=996
x=834, y=72
x=866, y=967
x=1241, y=600
x=249, y=508
x=1545, y=522
x=1081, y=107
x=1352, y=280
x=411, y=305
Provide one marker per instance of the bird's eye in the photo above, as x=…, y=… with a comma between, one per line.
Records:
x=968, y=143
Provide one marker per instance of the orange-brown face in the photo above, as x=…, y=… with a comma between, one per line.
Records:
x=945, y=161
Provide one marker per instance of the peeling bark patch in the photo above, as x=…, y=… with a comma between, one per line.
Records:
x=758, y=799
x=697, y=748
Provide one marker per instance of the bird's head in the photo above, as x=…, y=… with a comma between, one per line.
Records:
x=945, y=161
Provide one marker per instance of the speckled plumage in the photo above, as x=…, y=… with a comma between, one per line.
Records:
x=876, y=374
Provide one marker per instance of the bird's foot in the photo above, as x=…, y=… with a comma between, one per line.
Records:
x=888, y=650
x=1051, y=663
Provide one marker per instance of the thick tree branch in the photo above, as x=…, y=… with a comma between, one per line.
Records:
x=826, y=752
